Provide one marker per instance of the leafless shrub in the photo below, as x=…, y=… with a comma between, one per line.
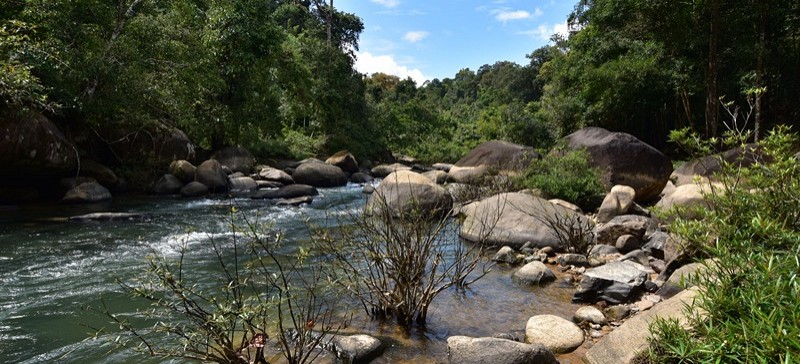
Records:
x=260, y=293
x=397, y=262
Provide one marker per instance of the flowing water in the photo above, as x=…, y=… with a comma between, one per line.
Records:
x=52, y=270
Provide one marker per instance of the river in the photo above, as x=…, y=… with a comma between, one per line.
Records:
x=52, y=270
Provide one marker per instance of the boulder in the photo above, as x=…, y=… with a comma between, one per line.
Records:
x=505, y=255
x=360, y=178
x=516, y=218
x=31, y=146
x=344, y=160
x=624, y=160
x=577, y=260
x=687, y=197
x=566, y=205
x=183, y=169
x=100, y=173
x=319, y=175
x=238, y=159
x=638, y=256
x=589, y=314
x=656, y=243
x=383, y=170
x=275, y=175
x=442, y=166
x=87, y=192
x=490, y=350
x=287, y=192
x=616, y=282
x=155, y=140
x=467, y=175
x=706, y=167
x=268, y=184
x=603, y=250
x=682, y=278
x=356, y=349
x=168, y=185
x=555, y=333
x=297, y=201
x=436, y=176
x=499, y=155
x=405, y=192
x=617, y=202
x=194, y=189
x=626, y=243
x=635, y=225
x=631, y=338
x=242, y=184
x=534, y=273
x=210, y=174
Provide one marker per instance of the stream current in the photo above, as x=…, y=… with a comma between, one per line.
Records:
x=52, y=270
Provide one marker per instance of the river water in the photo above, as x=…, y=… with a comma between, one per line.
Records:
x=52, y=270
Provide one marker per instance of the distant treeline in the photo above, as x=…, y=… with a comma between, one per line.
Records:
x=278, y=77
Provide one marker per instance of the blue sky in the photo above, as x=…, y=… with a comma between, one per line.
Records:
x=426, y=39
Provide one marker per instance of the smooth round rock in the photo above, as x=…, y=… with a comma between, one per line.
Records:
x=534, y=273
x=591, y=314
x=555, y=333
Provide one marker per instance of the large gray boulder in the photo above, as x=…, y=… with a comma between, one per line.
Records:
x=685, y=199
x=499, y=155
x=32, y=146
x=183, y=170
x=168, y=185
x=635, y=225
x=87, y=192
x=242, y=184
x=383, y=170
x=100, y=173
x=210, y=174
x=555, y=333
x=319, y=175
x=624, y=160
x=275, y=175
x=153, y=141
x=706, y=167
x=516, y=218
x=631, y=338
x=194, y=189
x=238, y=159
x=489, y=350
x=616, y=282
x=344, y=160
x=617, y=202
x=406, y=193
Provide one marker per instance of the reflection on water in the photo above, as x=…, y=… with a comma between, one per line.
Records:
x=51, y=270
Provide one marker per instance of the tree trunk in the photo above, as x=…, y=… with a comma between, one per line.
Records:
x=762, y=30
x=329, y=20
x=712, y=109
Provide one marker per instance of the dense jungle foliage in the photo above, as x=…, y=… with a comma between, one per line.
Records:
x=278, y=77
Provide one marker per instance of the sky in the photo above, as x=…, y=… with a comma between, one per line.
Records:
x=427, y=39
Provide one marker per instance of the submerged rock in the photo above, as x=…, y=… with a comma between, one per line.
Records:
x=287, y=192
x=108, y=216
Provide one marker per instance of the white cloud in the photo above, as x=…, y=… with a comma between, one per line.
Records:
x=387, y=3
x=415, y=36
x=506, y=15
x=369, y=64
x=538, y=12
x=545, y=31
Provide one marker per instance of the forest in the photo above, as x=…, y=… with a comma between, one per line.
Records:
x=277, y=77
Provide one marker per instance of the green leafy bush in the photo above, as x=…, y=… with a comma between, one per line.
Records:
x=751, y=292
x=566, y=175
